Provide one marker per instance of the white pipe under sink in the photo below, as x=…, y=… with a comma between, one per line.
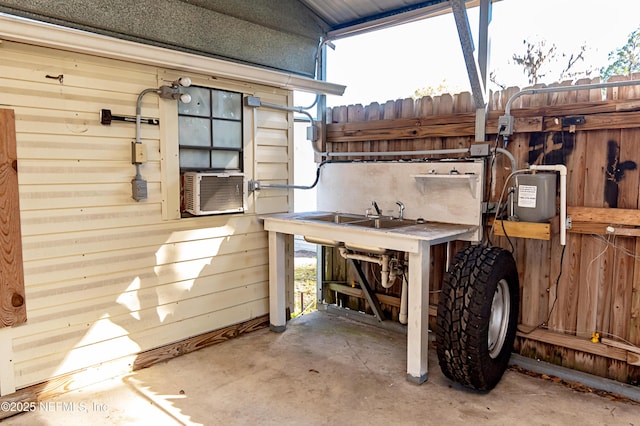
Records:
x=403, y=316
x=386, y=277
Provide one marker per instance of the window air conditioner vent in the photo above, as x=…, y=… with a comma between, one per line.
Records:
x=213, y=193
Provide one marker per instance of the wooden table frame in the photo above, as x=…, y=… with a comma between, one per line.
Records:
x=414, y=240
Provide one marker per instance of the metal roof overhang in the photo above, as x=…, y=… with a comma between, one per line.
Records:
x=348, y=18
x=38, y=33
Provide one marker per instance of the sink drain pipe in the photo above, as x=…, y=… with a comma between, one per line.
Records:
x=403, y=315
x=387, y=275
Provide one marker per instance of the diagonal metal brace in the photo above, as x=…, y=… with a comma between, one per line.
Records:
x=466, y=41
x=368, y=293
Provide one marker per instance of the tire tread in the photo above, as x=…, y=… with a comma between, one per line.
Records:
x=463, y=312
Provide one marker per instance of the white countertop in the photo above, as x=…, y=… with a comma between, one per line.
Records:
x=405, y=238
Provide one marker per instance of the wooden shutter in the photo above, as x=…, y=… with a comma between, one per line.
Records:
x=12, y=302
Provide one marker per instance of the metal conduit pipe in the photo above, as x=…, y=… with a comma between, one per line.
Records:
x=506, y=122
x=399, y=153
x=138, y=184
x=257, y=102
x=533, y=91
x=255, y=185
x=287, y=108
x=138, y=176
x=423, y=152
x=512, y=159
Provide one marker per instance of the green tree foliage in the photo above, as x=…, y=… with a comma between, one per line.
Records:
x=625, y=60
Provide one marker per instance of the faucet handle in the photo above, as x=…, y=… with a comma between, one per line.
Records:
x=401, y=209
x=376, y=208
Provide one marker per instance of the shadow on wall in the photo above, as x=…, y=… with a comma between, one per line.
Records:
x=132, y=299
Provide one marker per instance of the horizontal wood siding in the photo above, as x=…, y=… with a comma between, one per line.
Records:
x=274, y=155
x=105, y=276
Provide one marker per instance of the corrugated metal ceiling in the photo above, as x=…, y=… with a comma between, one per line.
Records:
x=347, y=17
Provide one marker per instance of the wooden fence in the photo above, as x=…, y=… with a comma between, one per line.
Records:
x=594, y=287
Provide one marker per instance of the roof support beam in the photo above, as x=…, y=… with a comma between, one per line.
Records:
x=477, y=69
x=468, y=48
x=484, y=39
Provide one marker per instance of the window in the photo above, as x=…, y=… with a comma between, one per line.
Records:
x=210, y=152
x=210, y=131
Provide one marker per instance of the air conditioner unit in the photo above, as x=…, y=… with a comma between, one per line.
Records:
x=211, y=193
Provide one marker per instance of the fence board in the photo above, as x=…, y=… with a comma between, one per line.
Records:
x=598, y=281
x=634, y=323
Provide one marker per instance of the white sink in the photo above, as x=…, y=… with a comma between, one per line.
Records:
x=349, y=220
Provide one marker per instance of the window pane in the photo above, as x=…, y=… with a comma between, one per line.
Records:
x=194, y=158
x=226, y=105
x=199, y=104
x=225, y=159
x=227, y=134
x=194, y=131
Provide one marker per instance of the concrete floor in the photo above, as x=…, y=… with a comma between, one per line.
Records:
x=323, y=370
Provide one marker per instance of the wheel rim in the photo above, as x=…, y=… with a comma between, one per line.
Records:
x=499, y=320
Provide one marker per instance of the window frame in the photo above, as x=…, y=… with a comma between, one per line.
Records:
x=212, y=148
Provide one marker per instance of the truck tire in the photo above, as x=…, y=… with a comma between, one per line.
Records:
x=477, y=316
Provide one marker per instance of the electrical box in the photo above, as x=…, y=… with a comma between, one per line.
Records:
x=506, y=124
x=253, y=101
x=312, y=133
x=535, y=197
x=479, y=150
x=138, y=153
x=139, y=189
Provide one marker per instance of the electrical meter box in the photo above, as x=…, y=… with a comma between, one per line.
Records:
x=535, y=197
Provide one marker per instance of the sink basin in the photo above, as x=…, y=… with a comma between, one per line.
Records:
x=384, y=223
x=362, y=220
x=351, y=220
x=338, y=218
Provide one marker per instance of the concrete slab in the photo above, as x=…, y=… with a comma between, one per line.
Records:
x=323, y=370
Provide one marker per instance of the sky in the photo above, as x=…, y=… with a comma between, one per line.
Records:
x=392, y=63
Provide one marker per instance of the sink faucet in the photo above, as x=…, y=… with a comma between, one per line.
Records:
x=376, y=208
x=400, y=210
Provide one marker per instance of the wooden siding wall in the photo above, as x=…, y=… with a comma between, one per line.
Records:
x=106, y=277
x=599, y=287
